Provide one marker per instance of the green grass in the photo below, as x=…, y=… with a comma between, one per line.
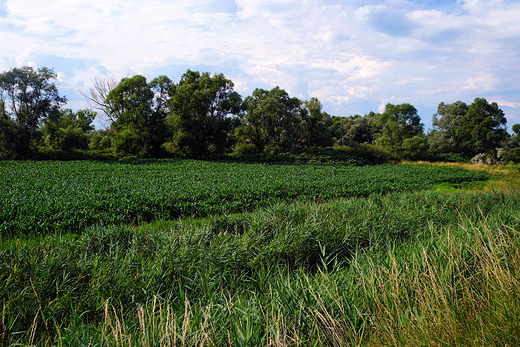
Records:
x=48, y=197
x=404, y=268
x=307, y=273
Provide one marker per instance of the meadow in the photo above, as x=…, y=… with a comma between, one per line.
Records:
x=286, y=255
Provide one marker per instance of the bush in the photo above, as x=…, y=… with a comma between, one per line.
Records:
x=450, y=157
x=511, y=155
x=490, y=159
x=246, y=149
x=415, y=148
x=128, y=142
x=71, y=137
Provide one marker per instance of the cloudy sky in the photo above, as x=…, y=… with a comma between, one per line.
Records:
x=355, y=56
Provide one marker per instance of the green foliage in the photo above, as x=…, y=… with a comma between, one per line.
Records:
x=201, y=121
x=9, y=137
x=45, y=153
x=360, y=129
x=272, y=122
x=516, y=128
x=415, y=148
x=71, y=138
x=450, y=157
x=42, y=197
x=28, y=97
x=350, y=270
x=339, y=156
x=95, y=140
x=399, y=122
x=128, y=142
x=245, y=149
x=482, y=128
x=511, y=155
x=139, y=110
x=68, y=130
x=315, y=124
x=445, y=124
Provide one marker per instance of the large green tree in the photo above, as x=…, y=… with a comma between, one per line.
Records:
x=399, y=122
x=272, y=122
x=516, y=134
x=360, y=129
x=202, y=110
x=315, y=124
x=445, y=124
x=138, y=110
x=28, y=97
x=482, y=128
x=69, y=129
x=8, y=134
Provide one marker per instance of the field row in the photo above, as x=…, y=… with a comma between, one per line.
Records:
x=41, y=197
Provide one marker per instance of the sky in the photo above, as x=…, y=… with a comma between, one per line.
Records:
x=354, y=56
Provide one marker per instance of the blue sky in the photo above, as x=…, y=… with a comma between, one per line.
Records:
x=355, y=56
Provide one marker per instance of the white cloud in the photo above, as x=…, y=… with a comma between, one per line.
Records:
x=345, y=53
x=512, y=104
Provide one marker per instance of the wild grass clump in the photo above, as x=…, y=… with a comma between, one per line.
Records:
x=410, y=268
x=459, y=288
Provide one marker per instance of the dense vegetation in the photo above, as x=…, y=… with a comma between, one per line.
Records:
x=404, y=268
x=40, y=197
x=202, y=116
x=292, y=240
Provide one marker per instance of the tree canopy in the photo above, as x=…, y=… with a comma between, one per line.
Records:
x=28, y=97
x=201, y=108
x=138, y=110
x=69, y=129
x=272, y=121
x=445, y=124
x=482, y=128
x=398, y=123
x=203, y=116
x=315, y=123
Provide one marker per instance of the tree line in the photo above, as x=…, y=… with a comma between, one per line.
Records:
x=202, y=116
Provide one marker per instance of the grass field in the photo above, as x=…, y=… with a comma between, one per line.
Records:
x=42, y=197
x=408, y=261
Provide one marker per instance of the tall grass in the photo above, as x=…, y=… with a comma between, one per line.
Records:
x=458, y=288
x=397, y=269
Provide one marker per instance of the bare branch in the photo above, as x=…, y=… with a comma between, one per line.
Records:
x=97, y=96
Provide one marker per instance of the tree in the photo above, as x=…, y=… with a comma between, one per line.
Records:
x=415, y=148
x=516, y=129
x=138, y=110
x=481, y=129
x=356, y=129
x=445, y=124
x=8, y=134
x=514, y=139
x=97, y=97
x=399, y=122
x=101, y=140
x=316, y=125
x=69, y=129
x=201, y=110
x=28, y=97
x=272, y=122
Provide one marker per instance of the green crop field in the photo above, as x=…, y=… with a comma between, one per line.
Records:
x=185, y=252
x=42, y=197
